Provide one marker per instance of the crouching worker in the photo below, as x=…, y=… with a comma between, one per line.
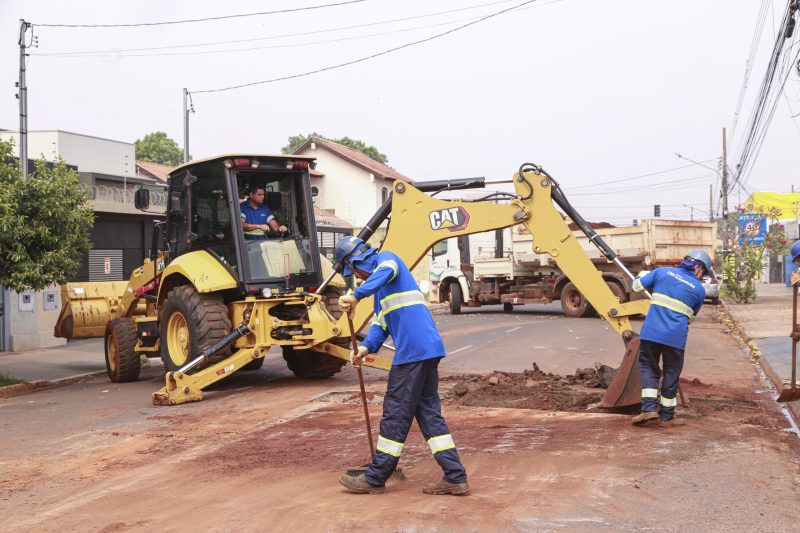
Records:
x=412, y=389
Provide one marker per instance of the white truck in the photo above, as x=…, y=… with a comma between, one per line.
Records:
x=516, y=275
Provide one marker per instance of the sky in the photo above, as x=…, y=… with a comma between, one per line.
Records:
x=601, y=94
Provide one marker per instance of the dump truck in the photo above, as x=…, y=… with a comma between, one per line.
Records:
x=210, y=303
x=517, y=275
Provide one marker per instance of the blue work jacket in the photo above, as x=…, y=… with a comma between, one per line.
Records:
x=677, y=296
x=260, y=215
x=400, y=311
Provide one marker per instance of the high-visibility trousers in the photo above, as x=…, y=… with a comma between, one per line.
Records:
x=413, y=392
x=649, y=355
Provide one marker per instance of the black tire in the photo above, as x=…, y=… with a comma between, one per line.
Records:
x=618, y=291
x=507, y=307
x=455, y=298
x=331, y=295
x=308, y=364
x=189, y=322
x=574, y=303
x=123, y=363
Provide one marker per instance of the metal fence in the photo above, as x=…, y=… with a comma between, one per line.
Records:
x=103, y=193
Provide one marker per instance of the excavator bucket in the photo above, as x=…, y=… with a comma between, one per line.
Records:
x=88, y=307
x=626, y=388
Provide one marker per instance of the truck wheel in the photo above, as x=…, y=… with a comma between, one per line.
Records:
x=507, y=307
x=122, y=361
x=573, y=303
x=189, y=322
x=619, y=292
x=455, y=299
x=308, y=364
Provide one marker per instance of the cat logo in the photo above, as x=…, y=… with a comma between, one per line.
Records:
x=452, y=218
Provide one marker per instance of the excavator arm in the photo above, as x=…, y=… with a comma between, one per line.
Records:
x=418, y=221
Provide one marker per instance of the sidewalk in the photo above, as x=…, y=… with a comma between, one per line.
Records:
x=76, y=358
x=767, y=323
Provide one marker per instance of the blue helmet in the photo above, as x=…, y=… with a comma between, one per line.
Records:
x=350, y=251
x=703, y=257
x=794, y=250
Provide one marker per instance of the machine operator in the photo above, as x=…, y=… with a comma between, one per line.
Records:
x=257, y=218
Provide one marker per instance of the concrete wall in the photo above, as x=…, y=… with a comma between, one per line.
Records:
x=32, y=324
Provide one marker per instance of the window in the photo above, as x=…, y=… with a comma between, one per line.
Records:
x=314, y=192
x=384, y=194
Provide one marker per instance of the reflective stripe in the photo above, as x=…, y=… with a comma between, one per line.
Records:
x=671, y=303
x=649, y=393
x=669, y=402
x=257, y=232
x=389, y=446
x=441, y=443
x=377, y=322
x=396, y=301
x=637, y=285
x=389, y=263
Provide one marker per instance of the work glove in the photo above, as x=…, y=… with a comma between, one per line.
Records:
x=357, y=356
x=348, y=304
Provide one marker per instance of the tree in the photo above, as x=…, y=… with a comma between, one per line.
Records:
x=748, y=260
x=296, y=141
x=158, y=148
x=44, y=223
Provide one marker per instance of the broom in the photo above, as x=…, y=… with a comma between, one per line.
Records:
x=358, y=470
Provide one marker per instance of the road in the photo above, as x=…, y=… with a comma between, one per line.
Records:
x=263, y=451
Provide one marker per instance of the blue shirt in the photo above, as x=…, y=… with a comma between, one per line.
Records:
x=400, y=311
x=260, y=215
x=677, y=297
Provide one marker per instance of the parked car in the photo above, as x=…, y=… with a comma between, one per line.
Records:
x=712, y=285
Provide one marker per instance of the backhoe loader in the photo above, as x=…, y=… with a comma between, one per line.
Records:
x=210, y=303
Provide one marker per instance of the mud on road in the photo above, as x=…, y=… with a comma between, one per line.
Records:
x=268, y=458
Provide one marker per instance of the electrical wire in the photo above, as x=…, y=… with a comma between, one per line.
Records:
x=602, y=183
x=204, y=19
x=272, y=37
x=366, y=58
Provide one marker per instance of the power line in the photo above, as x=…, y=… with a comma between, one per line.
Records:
x=272, y=37
x=599, y=184
x=663, y=186
x=205, y=19
x=366, y=58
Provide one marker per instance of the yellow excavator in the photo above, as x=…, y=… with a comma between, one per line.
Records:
x=210, y=302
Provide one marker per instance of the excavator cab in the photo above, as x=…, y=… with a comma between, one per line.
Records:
x=204, y=213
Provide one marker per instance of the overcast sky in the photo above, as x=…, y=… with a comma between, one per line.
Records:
x=595, y=91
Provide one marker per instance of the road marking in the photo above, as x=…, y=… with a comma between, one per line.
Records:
x=460, y=349
x=513, y=329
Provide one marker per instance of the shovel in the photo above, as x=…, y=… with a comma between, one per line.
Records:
x=357, y=471
x=790, y=392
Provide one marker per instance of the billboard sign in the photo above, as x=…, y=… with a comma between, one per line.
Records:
x=752, y=228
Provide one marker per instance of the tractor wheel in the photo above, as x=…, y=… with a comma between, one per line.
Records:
x=255, y=364
x=455, y=299
x=573, y=303
x=191, y=321
x=331, y=295
x=308, y=364
x=122, y=361
x=507, y=307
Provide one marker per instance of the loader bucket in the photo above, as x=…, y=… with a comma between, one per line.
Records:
x=88, y=307
x=626, y=388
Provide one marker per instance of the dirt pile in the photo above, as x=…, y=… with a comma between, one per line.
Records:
x=531, y=389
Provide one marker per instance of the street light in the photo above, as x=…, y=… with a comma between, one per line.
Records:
x=698, y=163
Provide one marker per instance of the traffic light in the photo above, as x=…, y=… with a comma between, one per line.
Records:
x=657, y=210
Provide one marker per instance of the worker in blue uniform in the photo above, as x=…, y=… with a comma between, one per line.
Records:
x=412, y=389
x=257, y=218
x=794, y=252
x=677, y=295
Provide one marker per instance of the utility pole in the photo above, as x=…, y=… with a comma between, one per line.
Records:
x=711, y=202
x=22, y=95
x=187, y=107
x=725, y=236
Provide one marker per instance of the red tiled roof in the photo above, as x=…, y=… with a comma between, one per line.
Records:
x=154, y=170
x=357, y=158
x=326, y=218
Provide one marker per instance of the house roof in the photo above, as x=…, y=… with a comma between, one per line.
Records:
x=154, y=170
x=326, y=218
x=357, y=158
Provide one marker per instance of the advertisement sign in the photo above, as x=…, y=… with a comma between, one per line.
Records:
x=752, y=228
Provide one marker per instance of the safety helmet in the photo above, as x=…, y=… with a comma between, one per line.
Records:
x=794, y=250
x=703, y=257
x=350, y=251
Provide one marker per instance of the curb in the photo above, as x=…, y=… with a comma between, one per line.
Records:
x=43, y=384
x=793, y=407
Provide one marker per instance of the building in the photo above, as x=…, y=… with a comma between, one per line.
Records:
x=788, y=204
x=120, y=237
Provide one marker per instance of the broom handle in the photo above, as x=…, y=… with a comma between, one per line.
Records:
x=363, y=391
x=794, y=342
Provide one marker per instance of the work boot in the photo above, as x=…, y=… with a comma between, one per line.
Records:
x=671, y=423
x=643, y=418
x=360, y=485
x=445, y=487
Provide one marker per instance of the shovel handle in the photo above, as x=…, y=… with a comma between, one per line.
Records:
x=794, y=341
x=363, y=390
